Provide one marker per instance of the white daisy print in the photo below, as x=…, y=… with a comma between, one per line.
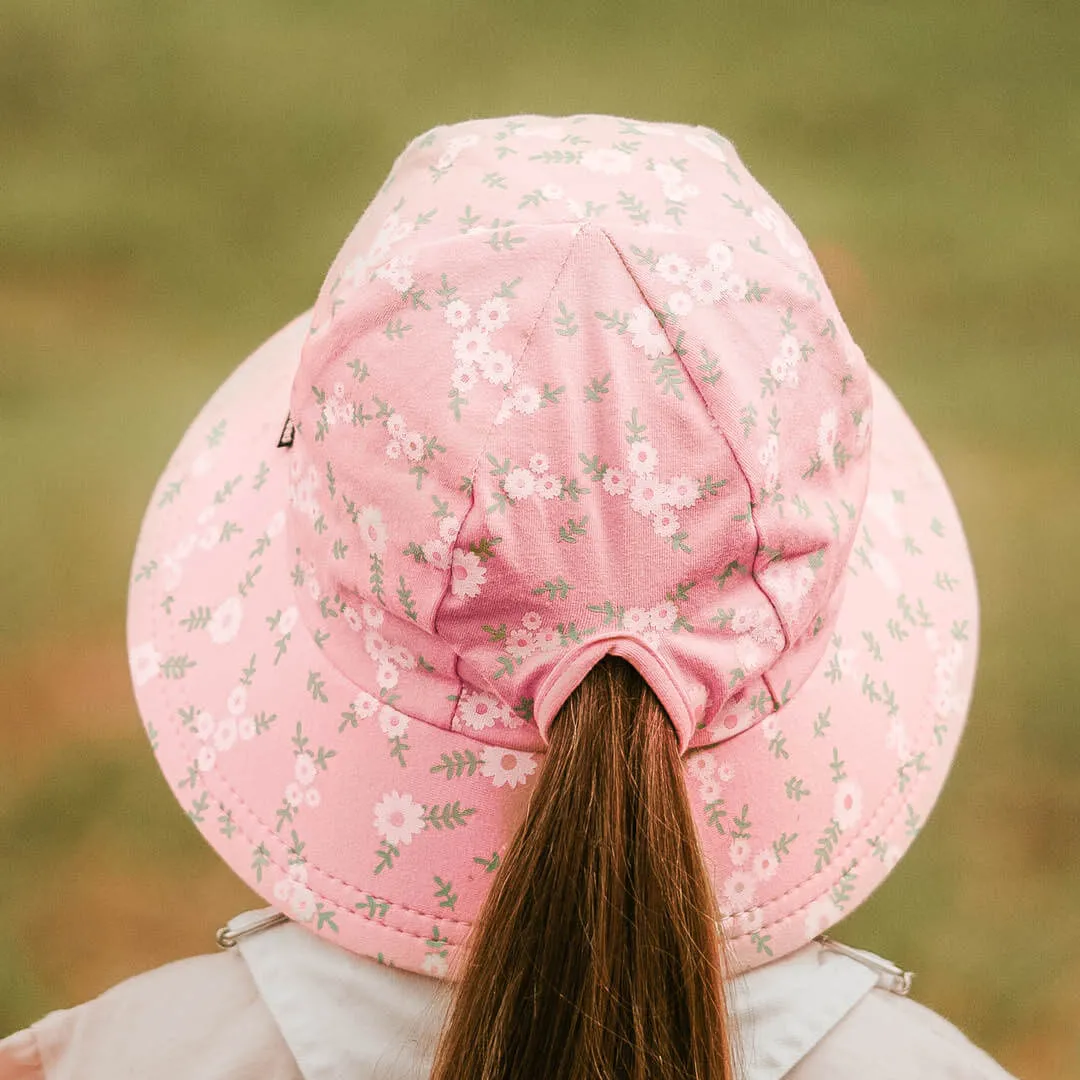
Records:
x=364, y=705
x=635, y=619
x=526, y=399
x=496, y=366
x=468, y=574
x=531, y=620
x=548, y=486
x=847, y=804
x=646, y=496
x=394, y=724
x=520, y=643
x=642, y=457
x=739, y=852
x=372, y=529
x=683, y=491
x=145, y=663
x=448, y=527
x=375, y=645
x=436, y=965
x=615, y=481
x=457, y=313
x=479, y=710
x=645, y=332
x=518, y=483
x=538, y=463
x=471, y=344
x=398, y=818
x=205, y=725
x=224, y=625
x=493, y=315
x=705, y=284
x=304, y=768
x=395, y=424
x=507, y=768
x=764, y=864
x=413, y=445
x=225, y=734
x=437, y=553
x=386, y=675
x=680, y=303
x=464, y=377
x=720, y=256
x=739, y=889
x=672, y=268
x=663, y=616
x=206, y=758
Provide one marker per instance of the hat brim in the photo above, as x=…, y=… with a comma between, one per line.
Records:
x=219, y=663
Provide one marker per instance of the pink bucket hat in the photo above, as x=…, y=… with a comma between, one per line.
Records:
x=572, y=386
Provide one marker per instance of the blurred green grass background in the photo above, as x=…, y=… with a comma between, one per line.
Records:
x=177, y=177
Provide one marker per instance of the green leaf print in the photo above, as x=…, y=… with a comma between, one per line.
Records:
x=668, y=376
x=260, y=860
x=373, y=907
x=635, y=429
x=444, y=894
x=572, y=530
x=566, y=320
x=457, y=763
x=795, y=788
x=619, y=321
x=782, y=845
x=386, y=853
x=489, y=865
x=714, y=815
x=197, y=619
x=448, y=816
x=841, y=892
x=406, y=597
x=633, y=207
x=558, y=588
x=176, y=667
x=826, y=844
x=597, y=388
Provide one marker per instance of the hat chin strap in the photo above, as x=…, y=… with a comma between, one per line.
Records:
x=572, y=668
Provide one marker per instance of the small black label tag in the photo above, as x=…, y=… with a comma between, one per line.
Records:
x=288, y=433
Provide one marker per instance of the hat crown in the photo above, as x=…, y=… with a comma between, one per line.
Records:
x=576, y=386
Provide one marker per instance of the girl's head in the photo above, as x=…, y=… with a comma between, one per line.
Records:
x=572, y=388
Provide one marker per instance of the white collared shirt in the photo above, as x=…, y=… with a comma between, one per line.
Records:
x=286, y=1005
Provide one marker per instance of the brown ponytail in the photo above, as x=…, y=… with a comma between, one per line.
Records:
x=596, y=956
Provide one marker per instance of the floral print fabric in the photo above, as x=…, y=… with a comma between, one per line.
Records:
x=571, y=386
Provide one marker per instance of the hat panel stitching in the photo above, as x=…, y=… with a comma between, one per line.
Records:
x=731, y=449
x=475, y=472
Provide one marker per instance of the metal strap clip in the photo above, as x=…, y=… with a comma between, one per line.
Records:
x=227, y=936
x=890, y=977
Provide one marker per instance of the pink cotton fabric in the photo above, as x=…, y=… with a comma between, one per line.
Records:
x=572, y=386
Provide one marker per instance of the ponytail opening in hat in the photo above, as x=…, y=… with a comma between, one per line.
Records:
x=597, y=952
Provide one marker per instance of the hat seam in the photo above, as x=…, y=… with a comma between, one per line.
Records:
x=475, y=470
x=731, y=449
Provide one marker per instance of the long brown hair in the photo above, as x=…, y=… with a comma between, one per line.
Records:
x=597, y=955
